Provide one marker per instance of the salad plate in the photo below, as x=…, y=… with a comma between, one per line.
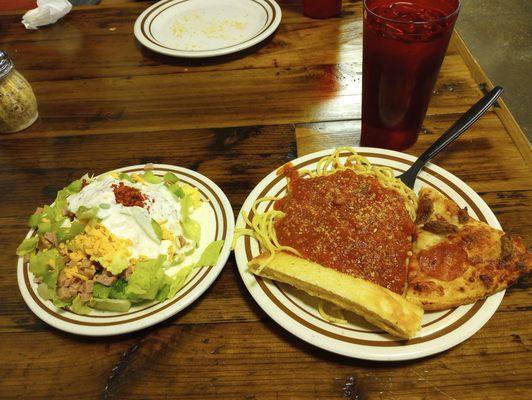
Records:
x=124, y=250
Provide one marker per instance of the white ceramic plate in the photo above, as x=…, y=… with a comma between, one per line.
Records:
x=297, y=312
x=217, y=222
x=206, y=28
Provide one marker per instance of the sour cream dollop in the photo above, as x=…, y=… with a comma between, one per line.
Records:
x=134, y=223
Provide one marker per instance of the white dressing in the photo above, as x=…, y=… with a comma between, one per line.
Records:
x=134, y=223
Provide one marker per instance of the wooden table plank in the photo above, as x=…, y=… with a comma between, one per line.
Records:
x=213, y=361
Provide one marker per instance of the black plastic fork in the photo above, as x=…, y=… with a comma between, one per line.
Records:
x=460, y=126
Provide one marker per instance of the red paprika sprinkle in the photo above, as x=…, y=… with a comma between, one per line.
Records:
x=128, y=196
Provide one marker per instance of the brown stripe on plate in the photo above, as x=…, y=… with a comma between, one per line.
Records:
x=466, y=317
x=182, y=293
x=152, y=39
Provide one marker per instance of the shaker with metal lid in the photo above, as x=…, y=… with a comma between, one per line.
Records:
x=18, y=106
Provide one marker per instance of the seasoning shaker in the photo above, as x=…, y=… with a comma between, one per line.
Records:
x=18, y=106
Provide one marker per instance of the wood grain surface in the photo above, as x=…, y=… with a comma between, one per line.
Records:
x=105, y=102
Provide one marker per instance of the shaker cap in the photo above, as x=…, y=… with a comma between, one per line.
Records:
x=6, y=65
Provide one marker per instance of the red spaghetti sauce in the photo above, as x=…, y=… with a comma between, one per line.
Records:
x=348, y=222
x=128, y=196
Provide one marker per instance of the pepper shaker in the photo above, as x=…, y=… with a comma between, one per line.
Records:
x=18, y=106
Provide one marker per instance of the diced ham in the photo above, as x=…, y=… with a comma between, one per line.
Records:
x=85, y=291
x=67, y=288
x=105, y=278
x=87, y=269
x=51, y=237
x=127, y=272
x=48, y=241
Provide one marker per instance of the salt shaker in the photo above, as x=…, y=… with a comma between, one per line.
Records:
x=18, y=106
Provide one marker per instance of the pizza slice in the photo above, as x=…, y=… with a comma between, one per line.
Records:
x=458, y=260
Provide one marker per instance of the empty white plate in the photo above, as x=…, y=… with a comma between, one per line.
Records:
x=206, y=28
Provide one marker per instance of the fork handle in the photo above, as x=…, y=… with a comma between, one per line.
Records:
x=459, y=127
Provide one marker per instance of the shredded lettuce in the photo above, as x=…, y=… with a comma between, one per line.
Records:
x=79, y=306
x=46, y=265
x=60, y=303
x=172, y=285
x=51, y=218
x=119, y=263
x=50, y=278
x=68, y=233
x=210, y=255
x=60, y=204
x=27, y=246
x=179, y=280
x=170, y=178
x=101, y=291
x=162, y=294
x=176, y=190
x=75, y=187
x=191, y=228
x=146, y=280
x=194, y=194
x=126, y=177
x=116, y=305
x=150, y=177
x=87, y=213
x=44, y=226
x=144, y=221
x=118, y=290
x=34, y=220
x=157, y=229
x=44, y=291
x=49, y=294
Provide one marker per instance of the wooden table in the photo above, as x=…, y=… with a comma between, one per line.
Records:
x=105, y=102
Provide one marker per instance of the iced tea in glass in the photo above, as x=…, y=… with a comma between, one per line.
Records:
x=404, y=44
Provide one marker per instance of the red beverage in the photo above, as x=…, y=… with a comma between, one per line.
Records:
x=404, y=46
x=322, y=8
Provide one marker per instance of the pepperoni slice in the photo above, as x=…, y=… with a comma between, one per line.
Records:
x=445, y=261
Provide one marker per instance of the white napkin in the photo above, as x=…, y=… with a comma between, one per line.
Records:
x=46, y=13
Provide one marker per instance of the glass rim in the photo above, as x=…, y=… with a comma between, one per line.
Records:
x=430, y=21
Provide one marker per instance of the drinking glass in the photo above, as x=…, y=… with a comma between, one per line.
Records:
x=404, y=44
